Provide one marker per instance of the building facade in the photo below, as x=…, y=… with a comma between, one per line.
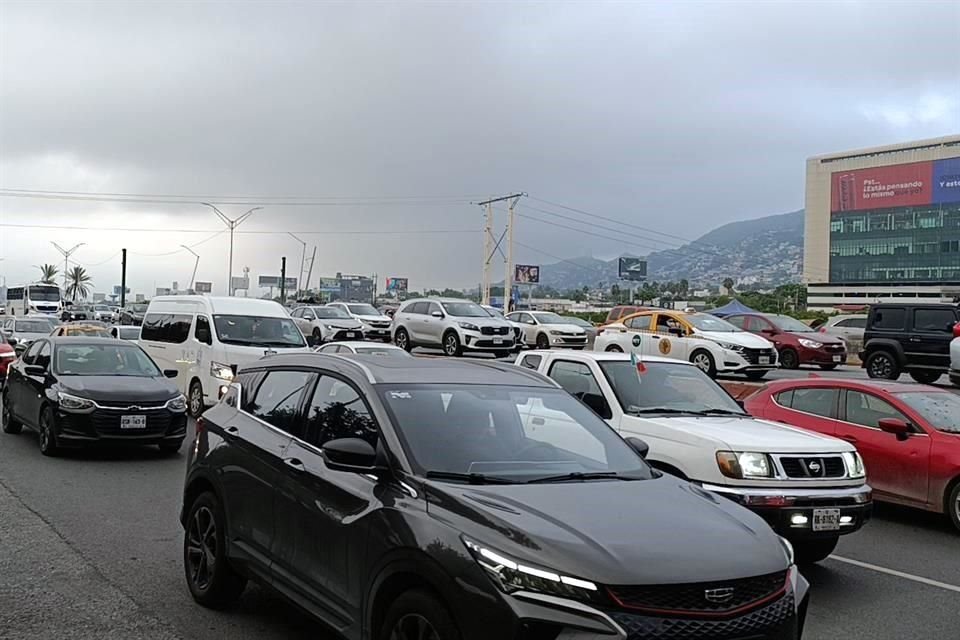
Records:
x=883, y=224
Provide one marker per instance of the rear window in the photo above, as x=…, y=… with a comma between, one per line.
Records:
x=934, y=320
x=889, y=318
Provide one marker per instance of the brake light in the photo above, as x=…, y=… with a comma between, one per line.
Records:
x=956, y=330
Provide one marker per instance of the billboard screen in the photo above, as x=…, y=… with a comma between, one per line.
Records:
x=203, y=287
x=632, y=269
x=526, y=274
x=397, y=284
x=273, y=282
x=900, y=185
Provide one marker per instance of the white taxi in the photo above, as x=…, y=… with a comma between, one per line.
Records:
x=712, y=344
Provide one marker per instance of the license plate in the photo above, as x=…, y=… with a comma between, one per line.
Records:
x=133, y=422
x=826, y=519
x=350, y=334
x=498, y=341
x=838, y=358
x=764, y=360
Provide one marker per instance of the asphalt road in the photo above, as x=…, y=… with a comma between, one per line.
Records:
x=91, y=549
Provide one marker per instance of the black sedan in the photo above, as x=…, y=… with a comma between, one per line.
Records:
x=413, y=499
x=76, y=391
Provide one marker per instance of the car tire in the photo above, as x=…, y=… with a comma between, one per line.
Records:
x=418, y=614
x=451, y=345
x=170, y=448
x=317, y=337
x=925, y=377
x=828, y=367
x=47, y=431
x=882, y=365
x=755, y=375
x=613, y=349
x=195, y=400
x=204, y=538
x=543, y=342
x=10, y=424
x=813, y=551
x=402, y=339
x=952, y=507
x=703, y=360
x=789, y=359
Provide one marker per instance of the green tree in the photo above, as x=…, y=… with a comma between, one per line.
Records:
x=728, y=284
x=48, y=273
x=78, y=283
x=615, y=292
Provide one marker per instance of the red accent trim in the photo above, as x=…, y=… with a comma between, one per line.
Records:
x=683, y=613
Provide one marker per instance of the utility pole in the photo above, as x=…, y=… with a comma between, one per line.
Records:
x=489, y=248
x=283, y=280
x=508, y=279
x=487, y=255
x=303, y=255
x=232, y=224
x=123, y=278
x=313, y=259
x=66, y=260
x=196, y=263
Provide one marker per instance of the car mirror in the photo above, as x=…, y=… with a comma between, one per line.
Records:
x=170, y=373
x=309, y=317
x=896, y=426
x=350, y=455
x=770, y=331
x=638, y=445
x=531, y=322
x=437, y=314
x=34, y=370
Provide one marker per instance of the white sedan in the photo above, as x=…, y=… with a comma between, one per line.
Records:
x=546, y=330
x=363, y=349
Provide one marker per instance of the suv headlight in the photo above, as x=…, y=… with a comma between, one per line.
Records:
x=221, y=371
x=74, y=403
x=741, y=465
x=469, y=326
x=810, y=344
x=510, y=575
x=854, y=462
x=177, y=404
x=729, y=346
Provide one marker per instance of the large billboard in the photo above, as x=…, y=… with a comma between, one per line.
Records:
x=273, y=282
x=632, y=269
x=398, y=285
x=203, y=287
x=526, y=274
x=900, y=185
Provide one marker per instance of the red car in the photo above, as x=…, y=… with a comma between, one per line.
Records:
x=7, y=355
x=907, y=434
x=796, y=342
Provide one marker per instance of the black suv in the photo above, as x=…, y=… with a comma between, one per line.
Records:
x=406, y=498
x=909, y=337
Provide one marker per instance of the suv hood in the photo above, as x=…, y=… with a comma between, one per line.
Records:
x=132, y=389
x=746, y=434
x=656, y=531
x=740, y=338
x=482, y=322
x=566, y=328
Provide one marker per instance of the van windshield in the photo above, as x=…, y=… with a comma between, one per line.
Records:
x=258, y=331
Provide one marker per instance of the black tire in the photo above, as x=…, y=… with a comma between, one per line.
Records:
x=418, y=615
x=755, y=375
x=543, y=342
x=925, y=377
x=10, y=424
x=703, y=360
x=48, y=433
x=614, y=349
x=828, y=367
x=451, y=345
x=195, y=400
x=204, y=539
x=402, y=339
x=789, y=359
x=812, y=551
x=317, y=337
x=952, y=506
x=882, y=365
x=170, y=448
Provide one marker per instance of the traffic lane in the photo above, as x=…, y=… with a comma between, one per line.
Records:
x=119, y=509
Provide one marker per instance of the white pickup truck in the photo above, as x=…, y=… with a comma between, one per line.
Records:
x=810, y=488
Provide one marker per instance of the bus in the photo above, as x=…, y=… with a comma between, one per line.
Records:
x=34, y=298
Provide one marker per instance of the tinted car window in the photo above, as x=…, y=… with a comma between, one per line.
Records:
x=785, y=398
x=819, y=402
x=202, y=331
x=416, y=307
x=30, y=356
x=166, y=327
x=278, y=398
x=868, y=410
x=43, y=356
x=639, y=323
x=854, y=323
x=894, y=318
x=737, y=321
x=577, y=380
x=432, y=308
x=934, y=319
x=337, y=411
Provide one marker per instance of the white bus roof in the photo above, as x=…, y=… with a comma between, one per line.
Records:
x=217, y=306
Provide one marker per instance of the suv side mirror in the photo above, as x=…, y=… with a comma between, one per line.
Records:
x=350, y=455
x=770, y=331
x=638, y=445
x=437, y=314
x=896, y=426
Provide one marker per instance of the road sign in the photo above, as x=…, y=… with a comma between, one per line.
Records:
x=203, y=287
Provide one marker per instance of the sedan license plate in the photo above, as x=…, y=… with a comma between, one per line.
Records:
x=133, y=422
x=764, y=360
x=498, y=341
x=350, y=334
x=838, y=358
x=826, y=519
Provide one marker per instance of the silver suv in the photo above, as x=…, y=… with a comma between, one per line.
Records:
x=451, y=324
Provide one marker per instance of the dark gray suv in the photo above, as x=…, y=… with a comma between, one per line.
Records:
x=411, y=499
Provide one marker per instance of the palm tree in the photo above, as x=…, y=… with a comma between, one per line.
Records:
x=48, y=273
x=728, y=284
x=77, y=283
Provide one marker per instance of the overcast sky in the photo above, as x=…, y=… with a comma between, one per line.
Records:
x=676, y=116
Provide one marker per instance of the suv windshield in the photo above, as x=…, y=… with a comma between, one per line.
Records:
x=32, y=326
x=363, y=310
x=465, y=310
x=104, y=360
x=330, y=313
x=786, y=323
x=707, y=322
x=550, y=318
x=941, y=410
x=511, y=434
x=669, y=387
x=258, y=331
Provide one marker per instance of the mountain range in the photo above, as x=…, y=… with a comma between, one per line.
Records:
x=754, y=253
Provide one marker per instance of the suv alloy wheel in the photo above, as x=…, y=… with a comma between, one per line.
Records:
x=417, y=615
x=882, y=365
x=212, y=581
x=402, y=340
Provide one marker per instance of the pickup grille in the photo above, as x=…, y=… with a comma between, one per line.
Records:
x=813, y=467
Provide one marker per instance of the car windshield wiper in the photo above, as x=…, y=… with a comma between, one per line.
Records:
x=470, y=478
x=580, y=475
x=636, y=411
x=719, y=412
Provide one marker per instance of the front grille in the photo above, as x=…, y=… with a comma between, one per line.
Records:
x=696, y=598
x=813, y=467
x=834, y=348
x=506, y=344
x=753, y=355
x=123, y=404
x=342, y=334
x=756, y=625
x=380, y=325
x=494, y=331
x=108, y=424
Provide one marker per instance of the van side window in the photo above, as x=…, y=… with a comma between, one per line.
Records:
x=166, y=327
x=202, y=331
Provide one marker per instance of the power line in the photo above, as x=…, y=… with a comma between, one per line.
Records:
x=254, y=232
x=223, y=197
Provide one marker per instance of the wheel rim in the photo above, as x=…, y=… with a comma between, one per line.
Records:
x=702, y=362
x=196, y=399
x=788, y=360
x=881, y=367
x=413, y=626
x=44, y=431
x=542, y=341
x=451, y=344
x=402, y=339
x=202, y=548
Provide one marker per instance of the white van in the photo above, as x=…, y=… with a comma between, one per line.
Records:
x=206, y=338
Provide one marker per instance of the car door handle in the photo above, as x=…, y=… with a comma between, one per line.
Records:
x=915, y=339
x=294, y=463
x=232, y=430
x=850, y=439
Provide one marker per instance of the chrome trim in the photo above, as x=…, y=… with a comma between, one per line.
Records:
x=782, y=475
x=576, y=607
x=861, y=494
x=863, y=426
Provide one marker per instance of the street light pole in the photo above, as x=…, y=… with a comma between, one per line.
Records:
x=303, y=257
x=232, y=224
x=196, y=264
x=66, y=260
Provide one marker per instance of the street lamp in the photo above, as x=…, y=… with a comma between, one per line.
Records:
x=303, y=257
x=66, y=258
x=232, y=223
x=196, y=263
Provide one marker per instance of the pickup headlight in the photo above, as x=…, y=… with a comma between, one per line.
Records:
x=743, y=465
x=68, y=402
x=469, y=326
x=177, y=404
x=854, y=462
x=510, y=576
x=221, y=371
x=729, y=346
x=810, y=344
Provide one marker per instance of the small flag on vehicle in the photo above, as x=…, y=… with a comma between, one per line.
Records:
x=638, y=364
